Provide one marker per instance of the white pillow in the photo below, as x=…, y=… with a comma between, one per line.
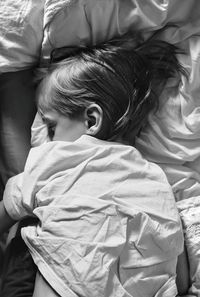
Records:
x=21, y=33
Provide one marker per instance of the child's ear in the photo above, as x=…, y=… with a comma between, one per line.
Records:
x=93, y=119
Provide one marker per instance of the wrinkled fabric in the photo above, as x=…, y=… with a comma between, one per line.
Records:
x=106, y=215
x=30, y=29
x=190, y=214
x=172, y=138
x=21, y=34
x=68, y=23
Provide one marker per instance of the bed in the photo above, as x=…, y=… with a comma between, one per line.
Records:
x=30, y=30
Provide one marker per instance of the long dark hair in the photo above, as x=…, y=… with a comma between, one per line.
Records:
x=124, y=76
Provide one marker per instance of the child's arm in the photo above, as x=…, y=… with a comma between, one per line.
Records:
x=42, y=287
x=5, y=220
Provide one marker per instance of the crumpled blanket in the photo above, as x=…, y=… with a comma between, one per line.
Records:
x=106, y=241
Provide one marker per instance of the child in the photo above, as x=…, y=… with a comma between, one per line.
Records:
x=108, y=223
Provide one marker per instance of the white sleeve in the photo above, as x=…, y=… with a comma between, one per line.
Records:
x=13, y=198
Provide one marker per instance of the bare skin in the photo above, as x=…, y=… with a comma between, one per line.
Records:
x=42, y=288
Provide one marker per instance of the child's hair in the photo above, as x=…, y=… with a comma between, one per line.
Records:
x=124, y=76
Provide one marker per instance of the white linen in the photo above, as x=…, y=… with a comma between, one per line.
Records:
x=30, y=30
x=190, y=214
x=108, y=220
x=21, y=34
x=172, y=138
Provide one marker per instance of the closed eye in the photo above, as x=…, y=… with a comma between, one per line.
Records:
x=50, y=123
x=51, y=126
x=51, y=130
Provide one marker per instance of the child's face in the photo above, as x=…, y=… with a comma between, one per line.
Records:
x=62, y=128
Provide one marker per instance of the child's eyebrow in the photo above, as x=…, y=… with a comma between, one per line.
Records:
x=44, y=119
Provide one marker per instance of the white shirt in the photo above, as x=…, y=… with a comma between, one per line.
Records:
x=108, y=223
